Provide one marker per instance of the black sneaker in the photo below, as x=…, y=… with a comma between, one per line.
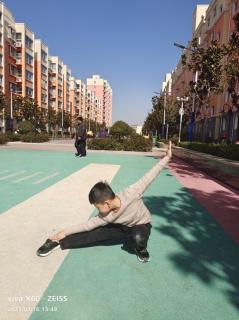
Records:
x=77, y=154
x=82, y=155
x=143, y=255
x=47, y=248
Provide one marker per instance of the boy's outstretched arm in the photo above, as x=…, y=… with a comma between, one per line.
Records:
x=141, y=185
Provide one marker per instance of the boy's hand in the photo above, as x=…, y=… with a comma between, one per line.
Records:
x=169, y=151
x=58, y=236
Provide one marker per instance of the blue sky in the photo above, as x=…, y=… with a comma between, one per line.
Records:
x=127, y=42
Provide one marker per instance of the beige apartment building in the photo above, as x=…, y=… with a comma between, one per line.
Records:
x=66, y=89
x=27, y=69
x=25, y=54
x=41, y=74
x=55, y=83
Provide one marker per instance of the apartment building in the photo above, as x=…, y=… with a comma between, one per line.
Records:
x=55, y=67
x=166, y=87
x=219, y=120
x=25, y=60
x=66, y=89
x=103, y=91
x=41, y=74
x=8, y=67
x=27, y=69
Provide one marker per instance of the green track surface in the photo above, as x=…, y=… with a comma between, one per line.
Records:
x=193, y=273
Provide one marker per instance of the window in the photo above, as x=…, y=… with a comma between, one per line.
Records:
x=44, y=56
x=221, y=8
x=44, y=84
x=18, y=36
x=0, y=80
x=208, y=21
x=43, y=69
x=12, y=52
x=59, y=69
x=53, y=67
x=29, y=92
x=28, y=42
x=44, y=98
x=12, y=70
x=29, y=75
x=215, y=12
x=29, y=59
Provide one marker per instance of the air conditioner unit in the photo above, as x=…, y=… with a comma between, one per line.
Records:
x=18, y=79
x=18, y=44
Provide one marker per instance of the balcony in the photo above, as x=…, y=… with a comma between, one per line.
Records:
x=18, y=61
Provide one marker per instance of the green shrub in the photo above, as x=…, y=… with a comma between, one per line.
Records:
x=11, y=136
x=3, y=138
x=35, y=137
x=227, y=151
x=25, y=127
x=135, y=143
x=104, y=144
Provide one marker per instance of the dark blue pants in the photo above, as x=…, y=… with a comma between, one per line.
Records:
x=80, y=146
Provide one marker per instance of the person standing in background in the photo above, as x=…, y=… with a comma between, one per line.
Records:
x=80, y=138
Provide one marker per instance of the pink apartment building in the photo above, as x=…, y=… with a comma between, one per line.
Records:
x=103, y=92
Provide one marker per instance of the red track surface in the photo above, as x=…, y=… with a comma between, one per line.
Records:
x=220, y=201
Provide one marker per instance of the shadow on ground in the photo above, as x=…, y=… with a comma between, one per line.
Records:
x=206, y=251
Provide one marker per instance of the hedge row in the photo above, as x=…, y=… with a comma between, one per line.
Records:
x=136, y=143
x=3, y=138
x=35, y=137
x=28, y=137
x=227, y=151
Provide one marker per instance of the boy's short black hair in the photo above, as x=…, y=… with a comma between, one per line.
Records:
x=100, y=193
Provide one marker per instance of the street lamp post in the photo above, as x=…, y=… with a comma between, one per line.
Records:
x=192, y=118
x=62, y=111
x=11, y=106
x=181, y=113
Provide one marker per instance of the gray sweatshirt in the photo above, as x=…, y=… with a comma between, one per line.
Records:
x=132, y=211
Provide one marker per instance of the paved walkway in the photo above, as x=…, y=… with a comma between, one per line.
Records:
x=194, y=242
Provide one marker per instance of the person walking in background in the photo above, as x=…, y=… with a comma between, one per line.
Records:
x=80, y=138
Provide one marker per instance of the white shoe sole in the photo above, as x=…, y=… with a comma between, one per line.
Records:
x=142, y=260
x=49, y=252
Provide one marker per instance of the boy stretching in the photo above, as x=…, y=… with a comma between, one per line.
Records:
x=122, y=218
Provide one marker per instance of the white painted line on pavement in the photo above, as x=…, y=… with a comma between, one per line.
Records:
x=27, y=177
x=25, y=227
x=12, y=175
x=46, y=178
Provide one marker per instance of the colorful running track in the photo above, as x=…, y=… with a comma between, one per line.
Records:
x=193, y=273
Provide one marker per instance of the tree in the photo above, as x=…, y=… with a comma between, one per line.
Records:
x=232, y=64
x=154, y=120
x=121, y=129
x=3, y=102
